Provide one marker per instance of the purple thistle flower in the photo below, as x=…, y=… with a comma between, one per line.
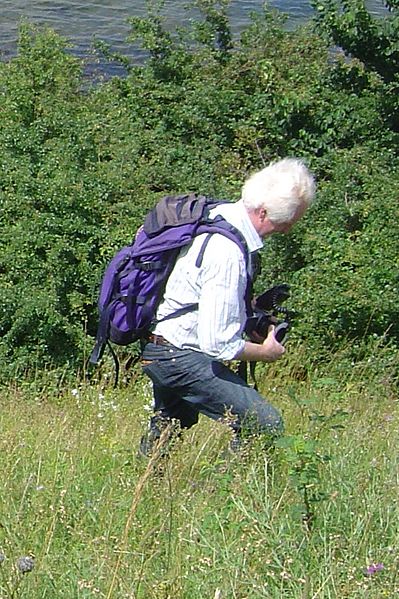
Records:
x=373, y=569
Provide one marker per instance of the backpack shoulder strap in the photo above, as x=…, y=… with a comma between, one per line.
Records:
x=212, y=226
x=223, y=227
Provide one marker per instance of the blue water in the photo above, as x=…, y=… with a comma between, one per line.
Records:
x=80, y=20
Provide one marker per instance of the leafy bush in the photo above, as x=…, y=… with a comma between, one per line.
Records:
x=342, y=258
x=80, y=166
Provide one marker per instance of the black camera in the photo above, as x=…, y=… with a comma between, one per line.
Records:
x=267, y=310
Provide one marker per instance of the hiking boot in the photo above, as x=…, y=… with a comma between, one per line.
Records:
x=235, y=444
x=147, y=443
x=149, y=440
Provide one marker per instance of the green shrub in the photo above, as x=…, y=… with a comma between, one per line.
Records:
x=81, y=165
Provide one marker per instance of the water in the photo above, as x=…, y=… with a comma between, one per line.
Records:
x=80, y=20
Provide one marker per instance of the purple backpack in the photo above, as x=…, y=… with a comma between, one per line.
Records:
x=135, y=279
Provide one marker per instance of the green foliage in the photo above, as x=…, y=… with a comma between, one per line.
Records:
x=343, y=257
x=373, y=40
x=303, y=451
x=99, y=520
x=214, y=30
x=81, y=165
x=46, y=225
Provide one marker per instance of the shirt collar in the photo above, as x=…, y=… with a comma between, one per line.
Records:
x=236, y=214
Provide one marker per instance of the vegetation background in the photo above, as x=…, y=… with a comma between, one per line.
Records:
x=80, y=164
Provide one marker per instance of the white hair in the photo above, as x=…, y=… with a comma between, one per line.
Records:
x=280, y=188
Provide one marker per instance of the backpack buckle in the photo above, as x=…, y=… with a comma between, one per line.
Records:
x=149, y=265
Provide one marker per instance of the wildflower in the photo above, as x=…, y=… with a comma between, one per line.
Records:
x=2, y=557
x=75, y=393
x=25, y=564
x=373, y=569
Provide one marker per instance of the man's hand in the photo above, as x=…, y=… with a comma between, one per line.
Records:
x=269, y=350
x=273, y=350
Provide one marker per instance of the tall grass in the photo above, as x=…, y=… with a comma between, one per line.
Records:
x=203, y=523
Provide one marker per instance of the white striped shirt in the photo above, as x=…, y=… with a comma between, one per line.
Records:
x=218, y=286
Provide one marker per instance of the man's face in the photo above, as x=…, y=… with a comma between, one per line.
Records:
x=265, y=227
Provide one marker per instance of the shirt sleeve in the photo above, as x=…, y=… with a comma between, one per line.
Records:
x=221, y=311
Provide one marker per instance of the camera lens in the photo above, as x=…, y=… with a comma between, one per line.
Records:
x=280, y=331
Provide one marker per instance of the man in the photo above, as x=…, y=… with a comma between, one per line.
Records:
x=185, y=356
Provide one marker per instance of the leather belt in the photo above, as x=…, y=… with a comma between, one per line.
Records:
x=157, y=340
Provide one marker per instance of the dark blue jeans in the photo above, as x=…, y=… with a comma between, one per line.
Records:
x=187, y=383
